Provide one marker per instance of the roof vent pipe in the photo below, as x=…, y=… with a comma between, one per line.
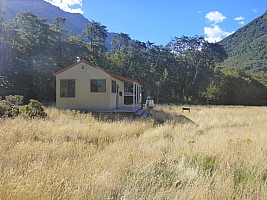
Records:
x=78, y=59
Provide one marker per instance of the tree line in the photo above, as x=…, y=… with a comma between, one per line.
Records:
x=186, y=70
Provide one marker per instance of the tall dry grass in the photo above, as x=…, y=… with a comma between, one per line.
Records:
x=210, y=153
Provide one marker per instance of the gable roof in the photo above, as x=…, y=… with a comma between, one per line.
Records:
x=116, y=76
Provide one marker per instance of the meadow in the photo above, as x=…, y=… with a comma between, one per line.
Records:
x=216, y=152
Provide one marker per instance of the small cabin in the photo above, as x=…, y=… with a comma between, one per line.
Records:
x=85, y=86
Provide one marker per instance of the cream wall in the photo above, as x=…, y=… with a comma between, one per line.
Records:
x=113, y=95
x=84, y=99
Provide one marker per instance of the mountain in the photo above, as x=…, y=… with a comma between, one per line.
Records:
x=75, y=22
x=247, y=47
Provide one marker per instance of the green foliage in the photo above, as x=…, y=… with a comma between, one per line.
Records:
x=197, y=59
x=238, y=88
x=11, y=107
x=184, y=71
x=240, y=177
x=74, y=113
x=95, y=34
x=33, y=110
x=206, y=164
x=12, y=111
x=14, y=99
x=3, y=109
x=247, y=47
x=212, y=93
x=164, y=176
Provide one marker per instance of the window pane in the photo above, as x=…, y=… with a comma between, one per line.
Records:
x=71, y=88
x=113, y=86
x=67, y=88
x=98, y=85
x=94, y=85
x=102, y=85
x=63, y=88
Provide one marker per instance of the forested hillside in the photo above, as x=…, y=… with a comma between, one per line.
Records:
x=247, y=49
x=184, y=71
x=74, y=22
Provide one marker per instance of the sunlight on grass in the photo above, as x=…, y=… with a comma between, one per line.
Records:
x=211, y=153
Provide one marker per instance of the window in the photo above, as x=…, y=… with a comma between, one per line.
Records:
x=113, y=86
x=98, y=85
x=67, y=88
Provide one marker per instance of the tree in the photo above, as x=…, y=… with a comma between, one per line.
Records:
x=26, y=38
x=95, y=34
x=120, y=40
x=197, y=59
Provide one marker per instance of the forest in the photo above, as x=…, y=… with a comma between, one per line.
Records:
x=185, y=71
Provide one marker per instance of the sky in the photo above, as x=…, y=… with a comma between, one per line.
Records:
x=159, y=21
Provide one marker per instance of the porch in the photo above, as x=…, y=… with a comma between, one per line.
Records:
x=118, y=113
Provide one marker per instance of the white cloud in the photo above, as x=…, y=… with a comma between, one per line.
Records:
x=255, y=10
x=198, y=12
x=215, y=17
x=215, y=33
x=67, y=4
x=239, y=18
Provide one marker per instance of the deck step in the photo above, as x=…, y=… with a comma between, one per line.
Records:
x=139, y=112
x=142, y=113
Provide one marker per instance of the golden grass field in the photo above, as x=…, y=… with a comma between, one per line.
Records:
x=221, y=153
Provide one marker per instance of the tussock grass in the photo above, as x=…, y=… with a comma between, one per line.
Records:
x=211, y=153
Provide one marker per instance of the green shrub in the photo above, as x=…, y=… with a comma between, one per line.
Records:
x=3, y=109
x=206, y=164
x=12, y=111
x=240, y=176
x=11, y=107
x=33, y=110
x=8, y=110
x=74, y=113
x=15, y=100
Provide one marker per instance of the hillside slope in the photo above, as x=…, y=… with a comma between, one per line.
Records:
x=247, y=47
x=75, y=22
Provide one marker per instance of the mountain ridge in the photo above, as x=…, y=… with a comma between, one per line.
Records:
x=247, y=47
x=75, y=22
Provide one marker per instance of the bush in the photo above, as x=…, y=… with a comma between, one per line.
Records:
x=12, y=111
x=33, y=110
x=3, y=109
x=15, y=100
x=11, y=107
x=8, y=110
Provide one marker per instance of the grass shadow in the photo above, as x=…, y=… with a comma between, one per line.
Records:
x=161, y=117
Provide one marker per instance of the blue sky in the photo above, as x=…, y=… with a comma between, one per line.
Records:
x=159, y=21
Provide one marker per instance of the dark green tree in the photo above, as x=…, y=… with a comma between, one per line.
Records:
x=197, y=59
x=95, y=34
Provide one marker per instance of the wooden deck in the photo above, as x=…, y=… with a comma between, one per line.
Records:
x=117, y=113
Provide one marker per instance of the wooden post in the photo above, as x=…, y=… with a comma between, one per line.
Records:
x=133, y=96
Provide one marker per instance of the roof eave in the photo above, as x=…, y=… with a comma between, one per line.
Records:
x=116, y=76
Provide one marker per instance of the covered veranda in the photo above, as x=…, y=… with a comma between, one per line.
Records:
x=136, y=91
